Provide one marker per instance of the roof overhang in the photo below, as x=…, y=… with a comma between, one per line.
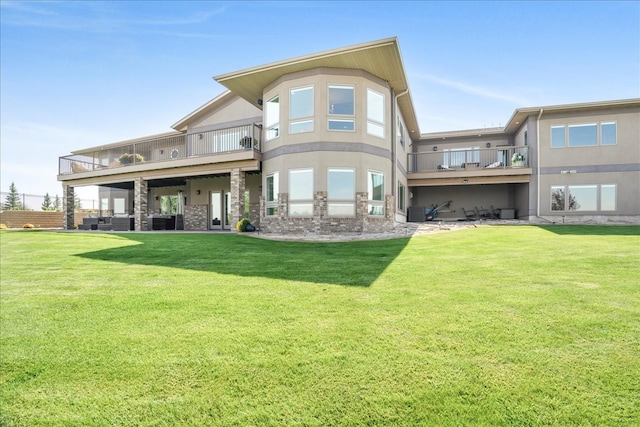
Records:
x=520, y=115
x=380, y=58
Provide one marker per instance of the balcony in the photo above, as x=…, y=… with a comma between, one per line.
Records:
x=215, y=146
x=469, y=166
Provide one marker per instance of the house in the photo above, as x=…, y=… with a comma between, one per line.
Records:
x=330, y=142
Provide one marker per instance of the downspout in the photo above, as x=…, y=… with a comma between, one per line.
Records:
x=394, y=162
x=538, y=163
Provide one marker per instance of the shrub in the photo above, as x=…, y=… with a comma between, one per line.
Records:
x=242, y=224
x=3, y=227
x=28, y=226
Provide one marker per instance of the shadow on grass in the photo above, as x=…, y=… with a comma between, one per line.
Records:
x=344, y=263
x=593, y=230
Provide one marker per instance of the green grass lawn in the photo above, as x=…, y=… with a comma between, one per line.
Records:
x=485, y=326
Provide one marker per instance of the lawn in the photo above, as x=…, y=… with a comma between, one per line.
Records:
x=487, y=326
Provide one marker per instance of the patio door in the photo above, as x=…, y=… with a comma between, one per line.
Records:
x=219, y=214
x=215, y=212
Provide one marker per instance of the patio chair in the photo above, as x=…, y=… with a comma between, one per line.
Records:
x=483, y=213
x=470, y=215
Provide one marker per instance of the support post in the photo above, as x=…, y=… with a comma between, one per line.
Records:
x=68, y=207
x=237, y=196
x=140, y=187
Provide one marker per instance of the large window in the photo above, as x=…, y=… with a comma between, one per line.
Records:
x=341, y=186
x=583, y=135
x=341, y=108
x=375, y=113
x=301, y=192
x=271, y=195
x=608, y=133
x=272, y=118
x=301, y=110
x=576, y=198
x=375, y=187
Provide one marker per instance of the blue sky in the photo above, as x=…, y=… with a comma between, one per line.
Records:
x=81, y=74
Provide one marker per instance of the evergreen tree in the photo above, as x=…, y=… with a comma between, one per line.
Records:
x=12, y=202
x=57, y=204
x=46, y=203
x=76, y=202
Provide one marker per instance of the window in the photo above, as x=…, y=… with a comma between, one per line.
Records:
x=557, y=136
x=118, y=206
x=608, y=133
x=271, y=195
x=301, y=192
x=272, y=118
x=341, y=124
x=341, y=192
x=341, y=102
x=400, y=196
x=169, y=205
x=104, y=204
x=375, y=187
x=400, y=132
x=301, y=107
x=583, y=135
x=608, y=197
x=375, y=113
x=557, y=198
x=583, y=198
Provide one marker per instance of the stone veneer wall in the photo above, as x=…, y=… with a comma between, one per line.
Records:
x=196, y=217
x=140, y=187
x=321, y=223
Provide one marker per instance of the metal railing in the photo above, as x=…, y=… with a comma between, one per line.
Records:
x=469, y=158
x=207, y=143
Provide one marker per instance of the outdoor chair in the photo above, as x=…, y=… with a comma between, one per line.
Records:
x=482, y=213
x=470, y=215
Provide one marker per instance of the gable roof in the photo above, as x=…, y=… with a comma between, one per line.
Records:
x=181, y=125
x=381, y=58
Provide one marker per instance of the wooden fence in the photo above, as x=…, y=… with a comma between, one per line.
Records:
x=40, y=219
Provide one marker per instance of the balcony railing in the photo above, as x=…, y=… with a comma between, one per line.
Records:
x=468, y=158
x=240, y=138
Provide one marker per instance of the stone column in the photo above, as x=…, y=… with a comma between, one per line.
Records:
x=140, y=187
x=237, y=196
x=68, y=207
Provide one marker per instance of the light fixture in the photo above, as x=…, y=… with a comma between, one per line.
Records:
x=199, y=136
x=156, y=197
x=465, y=181
x=488, y=145
x=435, y=148
x=260, y=101
x=198, y=192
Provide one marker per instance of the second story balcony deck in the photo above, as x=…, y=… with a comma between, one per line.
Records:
x=220, y=146
x=469, y=166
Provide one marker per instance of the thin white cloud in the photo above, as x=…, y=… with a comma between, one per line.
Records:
x=95, y=17
x=471, y=89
